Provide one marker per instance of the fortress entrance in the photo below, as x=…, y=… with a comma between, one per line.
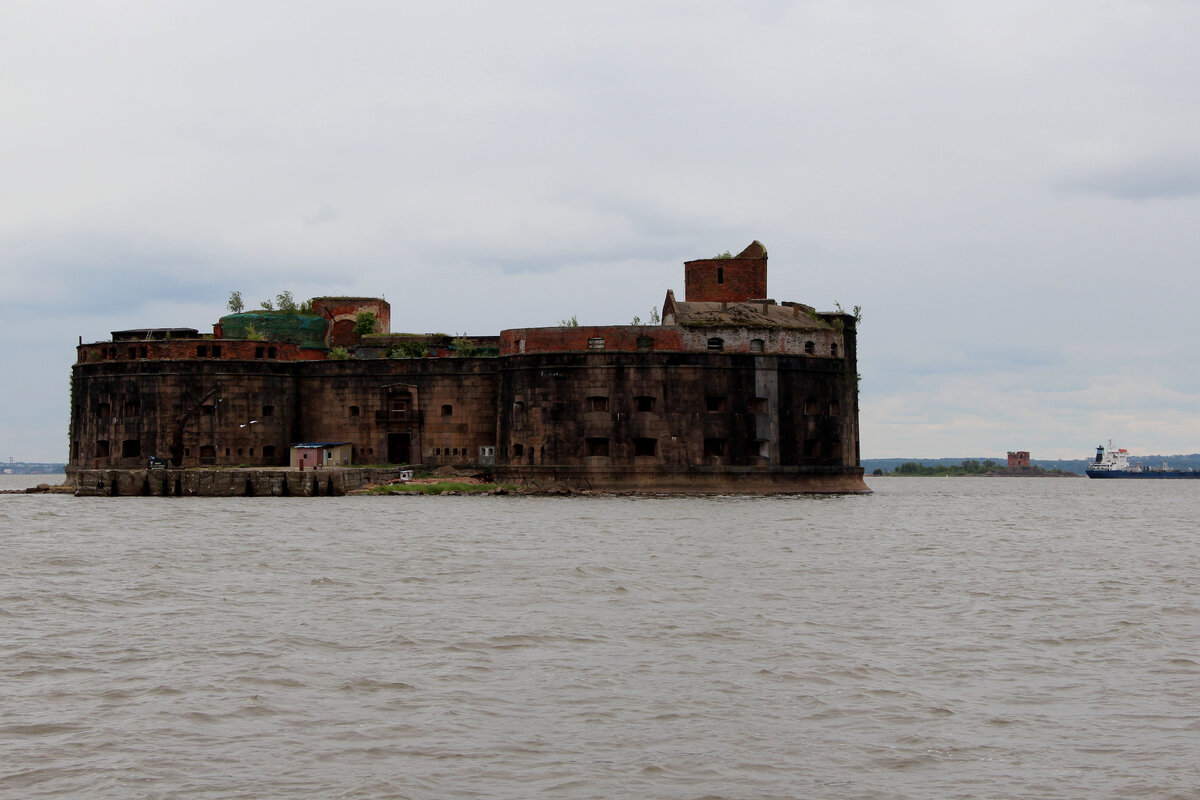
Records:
x=399, y=448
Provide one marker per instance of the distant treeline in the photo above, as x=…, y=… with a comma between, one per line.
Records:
x=31, y=468
x=967, y=467
x=1078, y=465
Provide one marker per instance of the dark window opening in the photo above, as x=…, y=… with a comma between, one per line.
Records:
x=227, y=452
x=240, y=451
x=518, y=407
x=597, y=403
x=208, y=454
x=757, y=405
x=145, y=351
x=810, y=406
x=131, y=448
x=518, y=450
x=833, y=350
x=716, y=344
x=102, y=448
x=216, y=351
x=207, y=411
x=269, y=451
x=596, y=343
x=756, y=345
x=714, y=448
x=201, y=351
x=810, y=447
x=251, y=451
x=133, y=352
x=103, y=410
x=131, y=410
x=355, y=411
x=268, y=411
x=645, y=447
x=720, y=274
x=270, y=352
x=714, y=403
x=447, y=410
x=644, y=403
x=597, y=446
x=810, y=348
x=645, y=343
x=259, y=352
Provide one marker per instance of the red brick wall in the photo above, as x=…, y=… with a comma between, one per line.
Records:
x=1018, y=459
x=742, y=279
x=347, y=308
x=187, y=348
x=571, y=339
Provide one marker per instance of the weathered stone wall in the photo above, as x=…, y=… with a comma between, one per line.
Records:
x=124, y=412
x=224, y=482
x=178, y=349
x=625, y=338
x=674, y=412
x=448, y=413
x=826, y=343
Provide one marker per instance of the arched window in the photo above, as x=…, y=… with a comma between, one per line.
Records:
x=716, y=344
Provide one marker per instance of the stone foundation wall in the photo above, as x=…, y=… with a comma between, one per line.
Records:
x=224, y=482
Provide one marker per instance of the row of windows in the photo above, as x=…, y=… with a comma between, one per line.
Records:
x=399, y=407
x=131, y=409
x=754, y=405
x=715, y=447
x=202, y=351
x=716, y=344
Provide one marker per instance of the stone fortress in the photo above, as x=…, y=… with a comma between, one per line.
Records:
x=732, y=392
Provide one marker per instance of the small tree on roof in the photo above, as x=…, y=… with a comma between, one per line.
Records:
x=364, y=323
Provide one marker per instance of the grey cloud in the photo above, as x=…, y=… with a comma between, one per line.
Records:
x=1155, y=178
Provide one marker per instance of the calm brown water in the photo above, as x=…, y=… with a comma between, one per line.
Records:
x=942, y=638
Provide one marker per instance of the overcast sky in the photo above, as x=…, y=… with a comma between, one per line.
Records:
x=1010, y=190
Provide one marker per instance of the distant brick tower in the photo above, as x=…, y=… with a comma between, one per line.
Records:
x=732, y=280
x=1018, y=459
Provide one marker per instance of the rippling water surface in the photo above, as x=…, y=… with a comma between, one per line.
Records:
x=944, y=638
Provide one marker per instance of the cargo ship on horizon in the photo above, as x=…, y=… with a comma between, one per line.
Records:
x=1114, y=463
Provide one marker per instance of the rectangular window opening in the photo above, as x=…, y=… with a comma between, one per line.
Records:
x=597, y=446
x=645, y=447
x=597, y=403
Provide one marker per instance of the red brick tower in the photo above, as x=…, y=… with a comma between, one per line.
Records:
x=732, y=280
